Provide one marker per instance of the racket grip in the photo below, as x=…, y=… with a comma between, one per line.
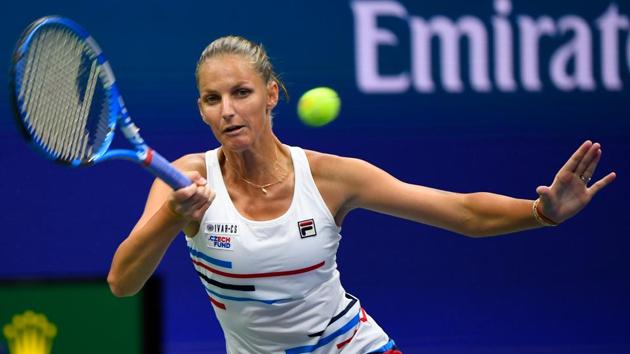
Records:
x=163, y=169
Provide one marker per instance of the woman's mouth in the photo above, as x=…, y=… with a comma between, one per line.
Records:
x=233, y=129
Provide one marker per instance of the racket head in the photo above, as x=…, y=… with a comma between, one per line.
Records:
x=63, y=92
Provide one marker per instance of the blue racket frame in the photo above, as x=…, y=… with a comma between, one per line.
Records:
x=119, y=116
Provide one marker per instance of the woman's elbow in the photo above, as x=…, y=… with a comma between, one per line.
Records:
x=473, y=224
x=117, y=287
x=475, y=228
x=468, y=230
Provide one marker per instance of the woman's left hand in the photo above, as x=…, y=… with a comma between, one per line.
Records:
x=570, y=190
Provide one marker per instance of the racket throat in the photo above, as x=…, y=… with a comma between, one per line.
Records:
x=132, y=133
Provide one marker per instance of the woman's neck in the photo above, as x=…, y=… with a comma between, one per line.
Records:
x=258, y=166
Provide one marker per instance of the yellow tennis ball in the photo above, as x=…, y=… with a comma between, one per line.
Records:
x=318, y=106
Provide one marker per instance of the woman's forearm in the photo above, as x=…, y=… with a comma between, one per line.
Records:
x=138, y=256
x=495, y=214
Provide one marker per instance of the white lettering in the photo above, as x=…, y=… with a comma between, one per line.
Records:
x=578, y=48
x=503, y=47
x=449, y=35
x=609, y=25
x=571, y=65
x=531, y=32
x=368, y=39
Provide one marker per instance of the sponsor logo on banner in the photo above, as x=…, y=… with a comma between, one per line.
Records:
x=506, y=52
x=307, y=228
x=30, y=333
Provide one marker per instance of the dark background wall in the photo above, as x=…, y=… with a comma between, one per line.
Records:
x=560, y=290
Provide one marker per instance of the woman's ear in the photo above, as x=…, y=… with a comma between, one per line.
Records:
x=199, y=107
x=272, y=94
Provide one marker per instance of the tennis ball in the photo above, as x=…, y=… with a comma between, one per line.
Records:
x=318, y=106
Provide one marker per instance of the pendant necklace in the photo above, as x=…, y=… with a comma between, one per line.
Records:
x=262, y=187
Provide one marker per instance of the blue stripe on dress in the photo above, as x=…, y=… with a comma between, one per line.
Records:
x=322, y=342
x=205, y=257
x=389, y=345
x=233, y=298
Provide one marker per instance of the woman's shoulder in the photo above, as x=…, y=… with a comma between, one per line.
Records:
x=327, y=165
x=337, y=168
x=321, y=162
x=333, y=176
x=192, y=162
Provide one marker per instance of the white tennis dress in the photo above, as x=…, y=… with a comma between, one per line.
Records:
x=274, y=284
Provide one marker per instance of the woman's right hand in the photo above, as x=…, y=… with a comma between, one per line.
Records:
x=190, y=203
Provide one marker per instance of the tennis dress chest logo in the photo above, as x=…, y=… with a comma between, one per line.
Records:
x=221, y=228
x=307, y=228
x=221, y=236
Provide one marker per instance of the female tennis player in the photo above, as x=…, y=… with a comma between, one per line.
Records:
x=262, y=219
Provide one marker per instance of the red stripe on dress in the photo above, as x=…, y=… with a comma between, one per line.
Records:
x=343, y=344
x=363, y=315
x=216, y=303
x=260, y=275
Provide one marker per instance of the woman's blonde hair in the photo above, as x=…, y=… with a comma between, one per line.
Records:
x=255, y=53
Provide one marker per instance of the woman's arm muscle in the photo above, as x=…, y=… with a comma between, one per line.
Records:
x=353, y=183
x=139, y=254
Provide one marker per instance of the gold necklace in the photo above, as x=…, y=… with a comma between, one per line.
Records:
x=262, y=187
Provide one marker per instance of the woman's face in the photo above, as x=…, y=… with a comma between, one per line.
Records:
x=235, y=101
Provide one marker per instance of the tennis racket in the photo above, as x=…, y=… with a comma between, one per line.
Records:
x=67, y=104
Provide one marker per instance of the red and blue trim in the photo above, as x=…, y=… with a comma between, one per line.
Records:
x=353, y=301
x=326, y=340
x=211, y=260
x=259, y=275
x=236, y=298
x=388, y=348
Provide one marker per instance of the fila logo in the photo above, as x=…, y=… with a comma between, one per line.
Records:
x=307, y=228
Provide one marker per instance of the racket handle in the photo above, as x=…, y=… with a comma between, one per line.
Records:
x=163, y=169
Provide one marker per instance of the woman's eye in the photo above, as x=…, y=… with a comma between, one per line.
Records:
x=211, y=99
x=243, y=92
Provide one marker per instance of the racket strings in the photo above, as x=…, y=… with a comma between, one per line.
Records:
x=67, y=109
